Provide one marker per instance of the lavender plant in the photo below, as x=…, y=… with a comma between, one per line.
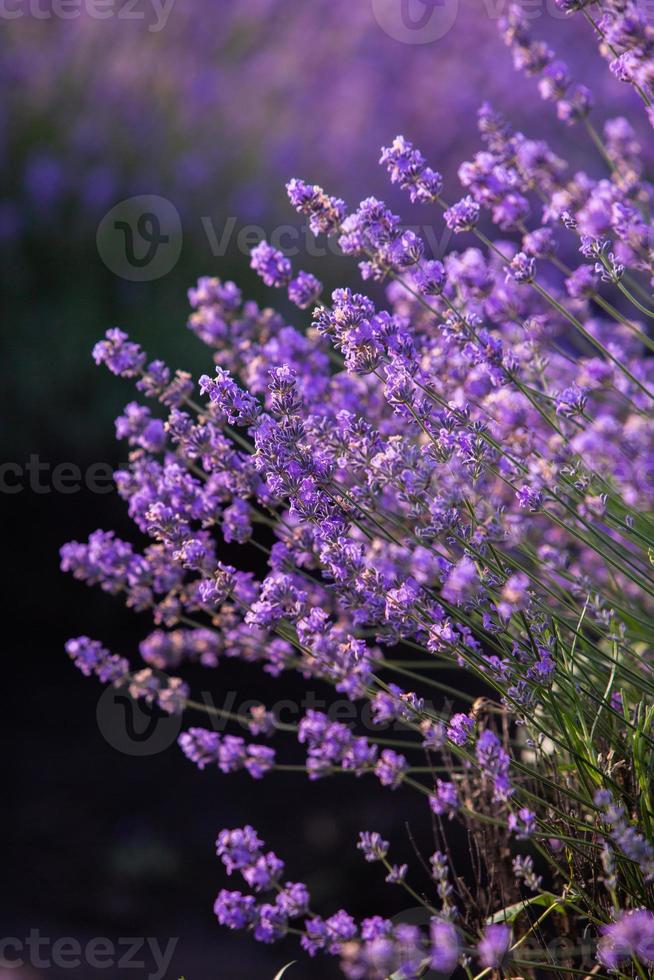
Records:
x=461, y=479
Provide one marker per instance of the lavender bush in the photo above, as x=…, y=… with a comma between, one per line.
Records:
x=461, y=480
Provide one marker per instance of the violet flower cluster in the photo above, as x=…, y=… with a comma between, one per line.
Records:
x=457, y=470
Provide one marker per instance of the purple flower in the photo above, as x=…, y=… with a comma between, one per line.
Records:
x=340, y=928
x=397, y=874
x=270, y=923
x=315, y=935
x=555, y=81
x=239, y=407
x=168, y=650
x=522, y=268
x=394, y=484
x=572, y=401
x=91, y=657
x=394, y=703
x=515, y=594
x=522, y=823
x=238, y=848
x=236, y=522
x=279, y=598
x=234, y=910
x=359, y=756
x=624, y=835
x=445, y=801
x=582, y=282
x=523, y=869
x=430, y=278
x=122, y=356
x=494, y=945
x=231, y=754
x=409, y=950
x=530, y=498
x=434, y=734
x=172, y=698
x=140, y=428
x=262, y=722
x=462, y=582
x=440, y=874
x=406, y=250
x=293, y=899
x=459, y=728
x=407, y=167
x=271, y=264
x=462, y=216
x=212, y=291
x=375, y=928
x=540, y=243
x=304, y=290
x=372, y=845
x=200, y=746
x=632, y=934
x=325, y=213
x=264, y=872
x=284, y=398
x=494, y=764
x=259, y=760
x=576, y=106
x=445, y=946
x=569, y=6
x=390, y=768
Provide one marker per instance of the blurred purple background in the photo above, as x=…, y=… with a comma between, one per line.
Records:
x=215, y=105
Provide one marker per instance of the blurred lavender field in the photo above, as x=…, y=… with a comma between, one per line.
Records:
x=213, y=106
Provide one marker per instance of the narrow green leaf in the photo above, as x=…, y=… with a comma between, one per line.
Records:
x=511, y=912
